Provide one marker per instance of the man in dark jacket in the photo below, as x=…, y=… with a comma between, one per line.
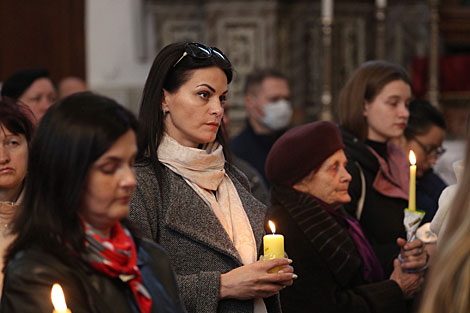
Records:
x=269, y=112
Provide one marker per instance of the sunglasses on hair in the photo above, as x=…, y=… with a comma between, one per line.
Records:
x=201, y=51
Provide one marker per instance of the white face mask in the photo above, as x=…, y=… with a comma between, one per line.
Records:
x=277, y=115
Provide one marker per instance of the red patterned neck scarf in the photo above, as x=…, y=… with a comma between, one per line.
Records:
x=117, y=257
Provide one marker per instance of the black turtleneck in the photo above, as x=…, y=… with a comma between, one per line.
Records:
x=379, y=147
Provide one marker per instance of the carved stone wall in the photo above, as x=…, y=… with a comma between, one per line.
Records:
x=408, y=32
x=245, y=31
x=287, y=35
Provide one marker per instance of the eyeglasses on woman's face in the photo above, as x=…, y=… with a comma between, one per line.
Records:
x=431, y=151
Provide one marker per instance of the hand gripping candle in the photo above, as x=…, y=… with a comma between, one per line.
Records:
x=273, y=246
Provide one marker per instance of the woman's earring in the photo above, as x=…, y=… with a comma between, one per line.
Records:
x=165, y=112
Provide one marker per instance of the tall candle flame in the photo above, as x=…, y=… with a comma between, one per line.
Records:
x=412, y=157
x=272, y=226
x=58, y=299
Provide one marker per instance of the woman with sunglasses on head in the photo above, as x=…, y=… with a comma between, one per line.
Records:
x=69, y=231
x=189, y=199
x=373, y=109
x=16, y=131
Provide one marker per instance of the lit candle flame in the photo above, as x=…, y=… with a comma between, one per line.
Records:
x=412, y=157
x=272, y=226
x=58, y=299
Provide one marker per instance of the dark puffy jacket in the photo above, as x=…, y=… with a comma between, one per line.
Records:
x=32, y=272
x=382, y=216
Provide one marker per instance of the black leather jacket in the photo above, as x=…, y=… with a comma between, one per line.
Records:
x=30, y=275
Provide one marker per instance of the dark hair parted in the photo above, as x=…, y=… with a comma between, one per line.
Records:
x=255, y=79
x=164, y=75
x=17, y=118
x=363, y=86
x=72, y=135
x=423, y=115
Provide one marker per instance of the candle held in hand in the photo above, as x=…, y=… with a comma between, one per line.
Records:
x=273, y=246
x=412, y=196
x=58, y=299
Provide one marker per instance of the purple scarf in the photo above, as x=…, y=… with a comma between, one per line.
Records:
x=336, y=237
x=370, y=267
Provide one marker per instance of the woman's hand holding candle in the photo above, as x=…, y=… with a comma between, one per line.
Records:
x=253, y=280
x=413, y=255
x=260, y=279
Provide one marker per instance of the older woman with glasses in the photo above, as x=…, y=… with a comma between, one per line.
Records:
x=189, y=198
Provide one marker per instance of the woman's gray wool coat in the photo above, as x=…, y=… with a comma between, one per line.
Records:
x=200, y=250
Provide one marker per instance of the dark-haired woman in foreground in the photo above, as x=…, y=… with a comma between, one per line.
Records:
x=189, y=199
x=80, y=182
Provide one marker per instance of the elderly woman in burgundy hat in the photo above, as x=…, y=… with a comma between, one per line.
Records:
x=337, y=268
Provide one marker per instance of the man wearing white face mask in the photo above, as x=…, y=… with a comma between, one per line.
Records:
x=269, y=110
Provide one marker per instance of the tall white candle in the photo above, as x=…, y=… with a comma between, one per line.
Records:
x=327, y=8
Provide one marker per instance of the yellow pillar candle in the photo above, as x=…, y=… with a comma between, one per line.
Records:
x=58, y=300
x=273, y=246
x=412, y=196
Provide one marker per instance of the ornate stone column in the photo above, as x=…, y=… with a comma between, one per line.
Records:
x=327, y=22
x=433, y=90
x=380, y=15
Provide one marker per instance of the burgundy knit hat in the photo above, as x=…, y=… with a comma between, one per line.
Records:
x=300, y=150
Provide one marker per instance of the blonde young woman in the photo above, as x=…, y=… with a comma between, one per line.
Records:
x=448, y=289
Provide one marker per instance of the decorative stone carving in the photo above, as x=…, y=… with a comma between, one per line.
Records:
x=287, y=35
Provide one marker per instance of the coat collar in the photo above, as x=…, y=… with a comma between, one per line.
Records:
x=325, y=234
x=196, y=220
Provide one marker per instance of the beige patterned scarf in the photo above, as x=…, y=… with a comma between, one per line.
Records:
x=203, y=170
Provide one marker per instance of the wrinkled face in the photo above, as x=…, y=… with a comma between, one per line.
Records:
x=272, y=89
x=425, y=147
x=195, y=110
x=388, y=113
x=13, y=159
x=39, y=97
x=110, y=185
x=330, y=182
